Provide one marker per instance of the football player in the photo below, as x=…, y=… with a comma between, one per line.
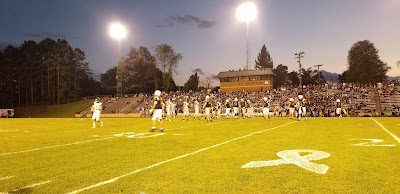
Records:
x=291, y=107
x=243, y=106
x=96, y=109
x=266, y=107
x=227, y=108
x=168, y=107
x=208, y=107
x=185, y=110
x=196, y=110
x=236, y=107
x=338, y=108
x=157, y=111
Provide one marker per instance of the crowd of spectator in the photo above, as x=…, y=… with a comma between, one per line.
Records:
x=356, y=99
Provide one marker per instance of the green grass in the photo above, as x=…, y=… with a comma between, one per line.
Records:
x=196, y=157
x=53, y=111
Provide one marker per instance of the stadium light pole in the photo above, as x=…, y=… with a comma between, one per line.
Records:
x=298, y=57
x=118, y=32
x=319, y=76
x=247, y=12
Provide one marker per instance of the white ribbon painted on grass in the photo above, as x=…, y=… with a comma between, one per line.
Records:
x=294, y=157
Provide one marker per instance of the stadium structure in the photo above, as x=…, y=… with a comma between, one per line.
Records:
x=246, y=80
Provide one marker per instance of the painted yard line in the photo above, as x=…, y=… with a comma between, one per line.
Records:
x=387, y=131
x=89, y=128
x=7, y=177
x=75, y=143
x=29, y=186
x=176, y=158
x=55, y=146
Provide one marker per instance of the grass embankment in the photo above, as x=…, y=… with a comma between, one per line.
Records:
x=53, y=111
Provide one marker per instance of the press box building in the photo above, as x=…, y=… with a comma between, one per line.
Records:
x=246, y=80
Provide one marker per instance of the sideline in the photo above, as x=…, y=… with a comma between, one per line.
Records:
x=176, y=158
x=387, y=131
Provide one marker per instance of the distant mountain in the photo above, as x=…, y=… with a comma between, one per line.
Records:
x=394, y=78
x=330, y=77
x=334, y=77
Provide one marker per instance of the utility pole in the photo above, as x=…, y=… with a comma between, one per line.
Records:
x=319, y=75
x=298, y=57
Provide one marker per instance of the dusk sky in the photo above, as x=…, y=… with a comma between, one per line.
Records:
x=207, y=32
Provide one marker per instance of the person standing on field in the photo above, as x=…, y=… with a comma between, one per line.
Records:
x=208, y=107
x=157, y=110
x=96, y=109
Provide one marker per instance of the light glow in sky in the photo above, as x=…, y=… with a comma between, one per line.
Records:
x=246, y=12
x=117, y=31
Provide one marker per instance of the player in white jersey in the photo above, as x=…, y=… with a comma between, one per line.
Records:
x=250, y=109
x=173, y=110
x=96, y=108
x=196, y=110
x=168, y=109
x=218, y=109
x=338, y=108
x=185, y=108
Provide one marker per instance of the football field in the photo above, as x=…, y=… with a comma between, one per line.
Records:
x=277, y=155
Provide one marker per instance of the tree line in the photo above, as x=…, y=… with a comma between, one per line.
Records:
x=364, y=67
x=52, y=72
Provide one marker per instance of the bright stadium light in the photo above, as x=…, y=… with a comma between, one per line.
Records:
x=117, y=31
x=247, y=12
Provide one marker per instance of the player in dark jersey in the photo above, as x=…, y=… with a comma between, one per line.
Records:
x=208, y=106
x=243, y=106
x=157, y=109
x=291, y=107
x=228, y=107
x=266, y=108
x=236, y=108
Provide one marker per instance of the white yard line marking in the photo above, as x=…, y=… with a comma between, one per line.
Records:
x=75, y=143
x=173, y=159
x=387, y=131
x=7, y=177
x=55, y=146
x=29, y=186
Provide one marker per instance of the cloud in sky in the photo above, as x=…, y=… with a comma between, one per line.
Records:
x=199, y=71
x=46, y=34
x=214, y=77
x=171, y=21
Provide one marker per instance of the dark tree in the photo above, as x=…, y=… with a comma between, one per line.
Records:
x=293, y=78
x=264, y=59
x=192, y=83
x=281, y=78
x=365, y=65
x=168, y=61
